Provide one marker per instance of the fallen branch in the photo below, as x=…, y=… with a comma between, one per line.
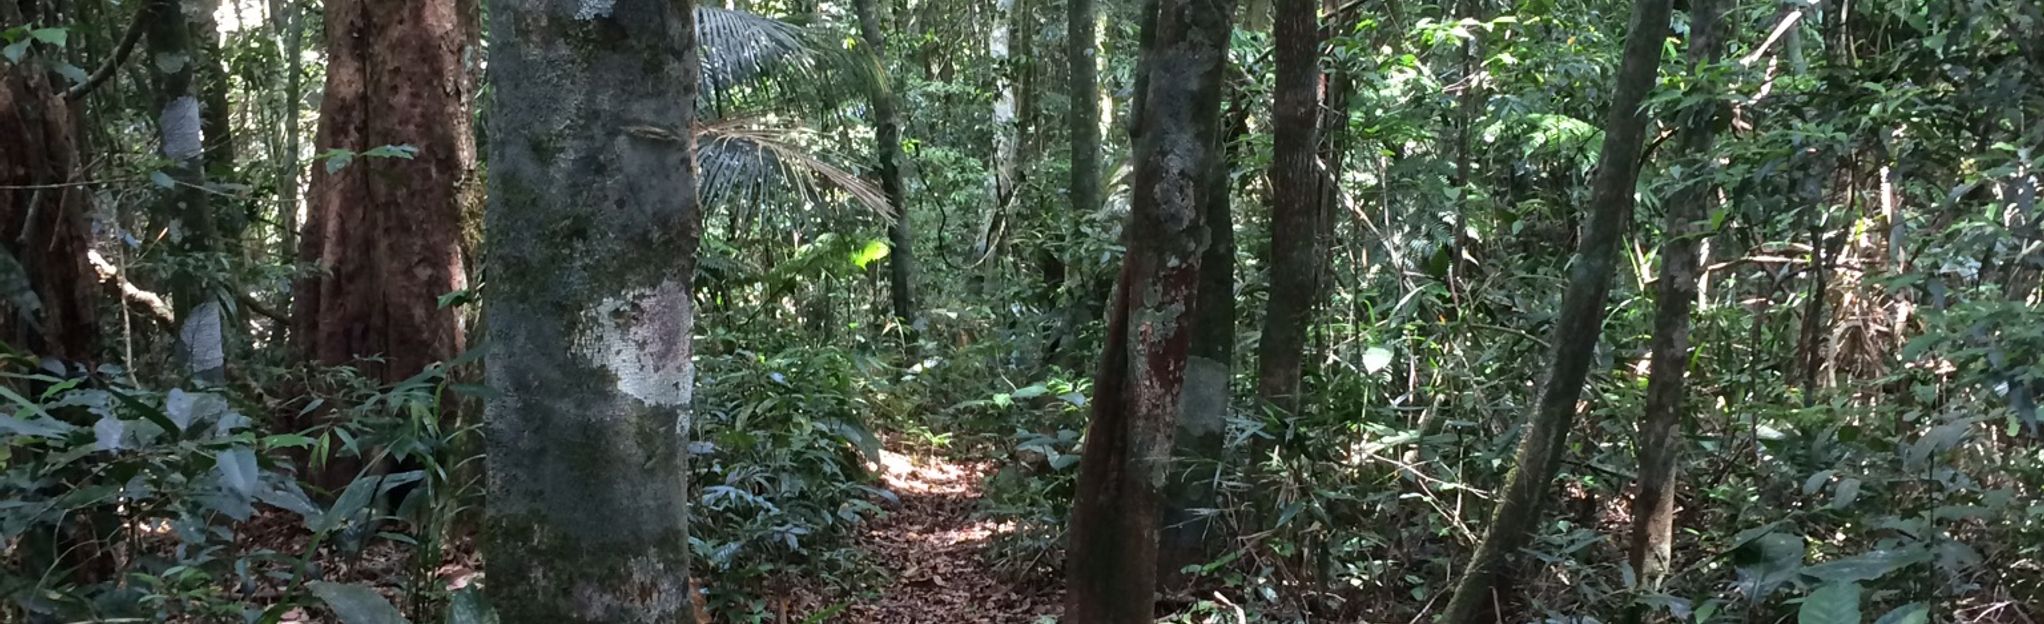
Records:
x=149, y=303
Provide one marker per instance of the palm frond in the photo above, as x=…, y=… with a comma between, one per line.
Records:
x=741, y=51
x=736, y=155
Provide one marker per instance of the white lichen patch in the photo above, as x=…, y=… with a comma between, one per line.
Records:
x=641, y=338
x=182, y=137
x=592, y=9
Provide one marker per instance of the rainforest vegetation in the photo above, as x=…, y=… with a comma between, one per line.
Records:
x=1021, y=311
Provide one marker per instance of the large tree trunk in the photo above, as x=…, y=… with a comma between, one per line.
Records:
x=385, y=232
x=887, y=138
x=48, y=305
x=1653, y=509
x=592, y=231
x=1111, y=558
x=1186, y=537
x=1296, y=214
x=181, y=130
x=1577, y=324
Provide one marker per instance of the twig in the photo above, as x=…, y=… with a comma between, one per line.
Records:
x=106, y=70
x=148, y=302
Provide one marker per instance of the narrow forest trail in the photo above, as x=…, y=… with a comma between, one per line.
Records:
x=930, y=547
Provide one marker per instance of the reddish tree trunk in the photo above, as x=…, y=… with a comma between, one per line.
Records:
x=384, y=232
x=1110, y=569
x=42, y=221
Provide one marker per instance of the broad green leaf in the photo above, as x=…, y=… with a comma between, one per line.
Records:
x=1836, y=603
x=356, y=604
x=53, y=35
x=237, y=468
x=14, y=51
x=162, y=180
x=1867, y=566
x=873, y=251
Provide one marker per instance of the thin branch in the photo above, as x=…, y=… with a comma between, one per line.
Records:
x=106, y=70
x=149, y=303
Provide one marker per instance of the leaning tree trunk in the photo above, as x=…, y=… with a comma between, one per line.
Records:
x=901, y=264
x=1111, y=558
x=1577, y=324
x=46, y=284
x=1295, y=182
x=592, y=231
x=181, y=130
x=1653, y=509
x=384, y=232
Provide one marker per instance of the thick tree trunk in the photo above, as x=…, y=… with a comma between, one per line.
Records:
x=1295, y=181
x=48, y=307
x=1577, y=324
x=901, y=267
x=385, y=232
x=592, y=234
x=1653, y=509
x=1110, y=567
x=1186, y=537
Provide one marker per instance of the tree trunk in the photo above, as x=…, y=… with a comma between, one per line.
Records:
x=1186, y=537
x=48, y=306
x=1295, y=182
x=181, y=129
x=1084, y=116
x=1110, y=567
x=1653, y=509
x=592, y=236
x=385, y=232
x=887, y=138
x=1007, y=146
x=292, y=46
x=1577, y=324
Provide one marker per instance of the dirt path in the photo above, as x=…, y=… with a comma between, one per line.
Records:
x=931, y=546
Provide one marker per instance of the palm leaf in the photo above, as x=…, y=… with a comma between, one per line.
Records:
x=737, y=156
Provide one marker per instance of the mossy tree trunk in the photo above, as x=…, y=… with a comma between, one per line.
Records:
x=49, y=304
x=384, y=232
x=1296, y=254
x=1653, y=509
x=901, y=265
x=1111, y=557
x=1578, y=323
x=592, y=231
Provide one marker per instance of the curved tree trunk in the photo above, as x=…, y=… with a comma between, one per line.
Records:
x=1578, y=323
x=1653, y=509
x=1111, y=558
x=887, y=148
x=385, y=232
x=592, y=234
x=1296, y=207
x=46, y=297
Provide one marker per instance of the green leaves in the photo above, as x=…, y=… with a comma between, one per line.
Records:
x=874, y=250
x=356, y=604
x=1836, y=603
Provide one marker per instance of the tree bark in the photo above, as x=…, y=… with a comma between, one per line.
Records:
x=1653, y=509
x=901, y=267
x=1295, y=181
x=1578, y=323
x=1007, y=145
x=291, y=21
x=50, y=310
x=1084, y=117
x=1111, y=557
x=592, y=233
x=385, y=232
x=181, y=131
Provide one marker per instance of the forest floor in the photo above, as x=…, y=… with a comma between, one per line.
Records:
x=930, y=548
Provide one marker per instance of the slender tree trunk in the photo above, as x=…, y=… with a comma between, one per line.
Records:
x=887, y=138
x=217, y=117
x=47, y=304
x=1081, y=30
x=292, y=46
x=1007, y=146
x=592, y=230
x=1110, y=570
x=1295, y=181
x=1578, y=323
x=1653, y=509
x=181, y=131
x=385, y=232
x=1186, y=536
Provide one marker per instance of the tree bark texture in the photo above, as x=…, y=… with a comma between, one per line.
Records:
x=384, y=233
x=1578, y=323
x=901, y=267
x=1295, y=181
x=1653, y=508
x=592, y=232
x=43, y=227
x=1110, y=569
